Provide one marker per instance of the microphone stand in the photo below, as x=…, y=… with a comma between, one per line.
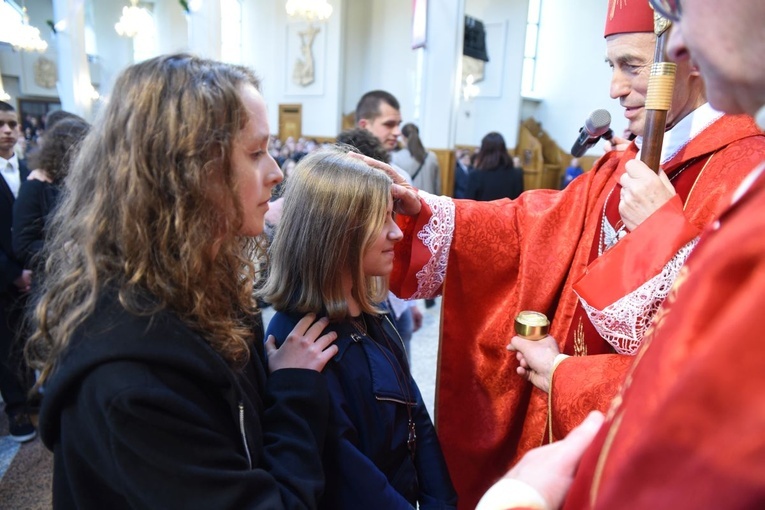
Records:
x=658, y=98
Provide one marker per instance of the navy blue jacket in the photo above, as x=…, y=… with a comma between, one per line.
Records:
x=366, y=460
x=461, y=177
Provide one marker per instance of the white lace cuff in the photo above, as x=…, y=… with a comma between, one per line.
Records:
x=436, y=235
x=624, y=322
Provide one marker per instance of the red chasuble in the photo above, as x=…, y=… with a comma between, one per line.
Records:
x=506, y=256
x=686, y=430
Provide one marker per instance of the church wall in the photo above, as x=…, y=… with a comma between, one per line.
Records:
x=378, y=52
x=497, y=107
x=574, y=79
x=367, y=45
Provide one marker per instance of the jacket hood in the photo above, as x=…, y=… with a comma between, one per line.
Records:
x=113, y=334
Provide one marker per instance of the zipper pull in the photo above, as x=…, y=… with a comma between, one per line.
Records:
x=243, y=433
x=411, y=442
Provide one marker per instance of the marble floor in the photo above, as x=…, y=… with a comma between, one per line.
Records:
x=26, y=472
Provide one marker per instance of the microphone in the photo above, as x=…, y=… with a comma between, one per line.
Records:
x=595, y=127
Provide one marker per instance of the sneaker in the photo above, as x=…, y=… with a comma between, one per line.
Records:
x=21, y=428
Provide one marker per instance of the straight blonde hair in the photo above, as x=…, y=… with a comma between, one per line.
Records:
x=334, y=208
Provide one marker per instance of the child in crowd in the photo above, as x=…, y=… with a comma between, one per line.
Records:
x=39, y=194
x=331, y=256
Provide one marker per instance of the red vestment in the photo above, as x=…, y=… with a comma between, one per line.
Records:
x=686, y=430
x=507, y=256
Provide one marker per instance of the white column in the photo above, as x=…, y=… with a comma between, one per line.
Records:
x=74, y=85
x=439, y=73
x=205, y=30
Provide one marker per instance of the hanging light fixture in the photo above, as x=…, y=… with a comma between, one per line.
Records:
x=309, y=10
x=27, y=37
x=133, y=20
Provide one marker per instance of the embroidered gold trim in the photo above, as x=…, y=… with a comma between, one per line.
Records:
x=690, y=193
x=615, y=413
x=614, y=3
x=580, y=347
x=599, y=467
x=556, y=362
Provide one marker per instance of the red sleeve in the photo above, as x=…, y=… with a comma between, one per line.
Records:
x=584, y=384
x=410, y=253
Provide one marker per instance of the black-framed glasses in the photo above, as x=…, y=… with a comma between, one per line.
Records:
x=669, y=9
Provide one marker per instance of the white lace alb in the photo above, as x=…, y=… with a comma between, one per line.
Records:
x=624, y=322
x=437, y=236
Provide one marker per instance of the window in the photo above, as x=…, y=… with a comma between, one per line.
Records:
x=530, y=51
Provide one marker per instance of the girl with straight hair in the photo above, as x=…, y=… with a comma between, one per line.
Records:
x=331, y=256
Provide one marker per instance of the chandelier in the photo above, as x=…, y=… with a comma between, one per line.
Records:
x=309, y=10
x=27, y=37
x=133, y=20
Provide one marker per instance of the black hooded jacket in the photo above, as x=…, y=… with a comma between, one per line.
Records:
x=142, y=413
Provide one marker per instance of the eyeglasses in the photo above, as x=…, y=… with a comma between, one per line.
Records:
x=669, y=9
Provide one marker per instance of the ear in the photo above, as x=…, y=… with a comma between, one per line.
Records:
x=363, y=123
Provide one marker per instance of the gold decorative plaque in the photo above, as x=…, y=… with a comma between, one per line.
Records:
x=45, y=73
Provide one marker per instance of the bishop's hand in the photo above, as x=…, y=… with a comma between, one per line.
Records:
x=536, y=359
x=643, y=193
x=405, y=199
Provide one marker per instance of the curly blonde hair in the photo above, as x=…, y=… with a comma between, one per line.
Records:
x=142, y=212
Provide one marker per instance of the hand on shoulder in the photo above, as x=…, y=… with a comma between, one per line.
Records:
x=38, y=174
x=305, y=346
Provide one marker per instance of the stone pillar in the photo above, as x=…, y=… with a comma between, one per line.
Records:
x=205, y=30
x=438, y=74
x=74, y=85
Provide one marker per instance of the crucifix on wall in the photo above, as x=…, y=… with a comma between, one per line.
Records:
x=303, y=72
